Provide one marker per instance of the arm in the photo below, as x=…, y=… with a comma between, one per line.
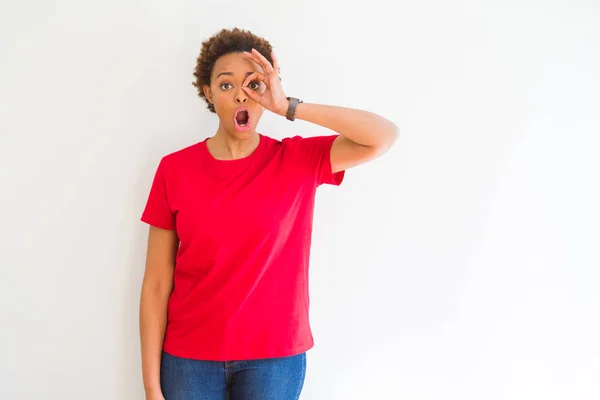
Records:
x=156, y=288
x=363, y=135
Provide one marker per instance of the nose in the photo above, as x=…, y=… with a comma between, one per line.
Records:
x=241, y=96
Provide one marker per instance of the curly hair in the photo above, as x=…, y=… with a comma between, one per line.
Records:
x=224, y=42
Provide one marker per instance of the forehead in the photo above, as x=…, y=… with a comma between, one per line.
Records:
x=236, y=63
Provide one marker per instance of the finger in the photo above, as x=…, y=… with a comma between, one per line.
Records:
x=275, y=62
x=252, y=57
x=257, y=60
x=265, y=62
x=255, y=76
x=251, y=93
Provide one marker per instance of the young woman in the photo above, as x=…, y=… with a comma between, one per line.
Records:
x=224, y=302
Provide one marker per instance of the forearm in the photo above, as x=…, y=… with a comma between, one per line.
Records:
x=153, y=320
x=362, y=127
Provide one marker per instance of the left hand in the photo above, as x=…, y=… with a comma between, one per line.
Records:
x=272, y=98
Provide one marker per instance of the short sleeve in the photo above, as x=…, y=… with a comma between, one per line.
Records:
x=157, y=211
x=315, y=152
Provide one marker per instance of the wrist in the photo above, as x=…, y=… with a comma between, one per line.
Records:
x=293, y=103
x=152, y=390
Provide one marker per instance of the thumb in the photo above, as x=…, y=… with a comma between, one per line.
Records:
x=251, y=93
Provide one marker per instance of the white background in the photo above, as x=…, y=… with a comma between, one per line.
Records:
x=463, y=264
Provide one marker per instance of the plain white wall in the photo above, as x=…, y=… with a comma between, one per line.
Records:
x=464, y=264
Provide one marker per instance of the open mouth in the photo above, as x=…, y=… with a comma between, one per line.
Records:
x=242, y=119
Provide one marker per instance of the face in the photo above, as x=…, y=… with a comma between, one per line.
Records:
x=238, y=113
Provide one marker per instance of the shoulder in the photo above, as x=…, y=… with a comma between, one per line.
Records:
x=314, y=142
x=310, y=145
x=183, y=153
x=180, y=157
x=292, y=146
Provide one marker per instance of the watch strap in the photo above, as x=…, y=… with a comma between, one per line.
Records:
x=291, y=112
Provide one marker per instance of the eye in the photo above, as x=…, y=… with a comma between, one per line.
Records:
x=255, y=83
x=223, y=84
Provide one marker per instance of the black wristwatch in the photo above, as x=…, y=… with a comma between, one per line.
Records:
x=291, y=112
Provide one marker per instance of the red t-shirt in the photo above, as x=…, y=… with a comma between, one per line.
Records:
x=241, y=272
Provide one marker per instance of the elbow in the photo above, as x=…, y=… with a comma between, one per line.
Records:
x=394, y=135
x=389, y=138
x=157, y=288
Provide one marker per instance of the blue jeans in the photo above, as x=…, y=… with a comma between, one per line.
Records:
x=263, y=379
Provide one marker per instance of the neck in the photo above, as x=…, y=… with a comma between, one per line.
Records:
x=229, y=147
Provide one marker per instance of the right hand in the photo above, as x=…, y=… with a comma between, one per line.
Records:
x=155, y=396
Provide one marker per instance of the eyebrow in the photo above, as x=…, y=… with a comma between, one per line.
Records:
x=230, y=73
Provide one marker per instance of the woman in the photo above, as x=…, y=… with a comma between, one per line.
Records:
x=224, y=303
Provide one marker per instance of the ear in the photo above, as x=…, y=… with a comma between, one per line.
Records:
x=207, y=93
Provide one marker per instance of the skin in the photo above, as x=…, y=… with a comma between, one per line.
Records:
x=225, y=93
x=249, y=80
x=156, y=288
